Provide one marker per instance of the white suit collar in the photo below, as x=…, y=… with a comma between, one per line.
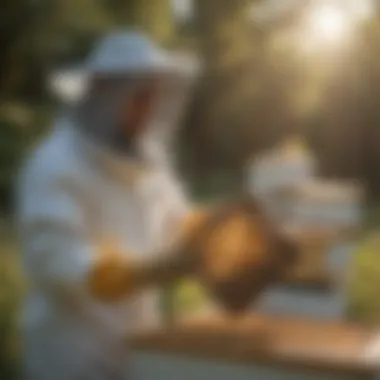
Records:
x=121, y=168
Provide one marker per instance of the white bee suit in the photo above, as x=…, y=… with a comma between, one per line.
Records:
x=73, y=197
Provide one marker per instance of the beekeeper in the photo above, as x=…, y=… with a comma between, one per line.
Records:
x=98, y=205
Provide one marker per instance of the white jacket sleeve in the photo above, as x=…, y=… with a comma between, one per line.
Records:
x=179, y=206
x=177, y=197
x=57, y=252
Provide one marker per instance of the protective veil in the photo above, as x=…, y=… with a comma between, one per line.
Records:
x=79, y=191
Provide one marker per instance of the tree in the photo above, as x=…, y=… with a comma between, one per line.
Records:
x=153, y=16
x=17, y=20
x=349, y=133
x=224, y=44
x=241, y=105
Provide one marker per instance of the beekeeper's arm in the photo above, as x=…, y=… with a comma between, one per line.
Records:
x=115, y=274
x=60, y=254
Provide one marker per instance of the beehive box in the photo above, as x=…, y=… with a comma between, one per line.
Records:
x=326, y=204
x=327, y=251
x=317, y=288
x=312, y=266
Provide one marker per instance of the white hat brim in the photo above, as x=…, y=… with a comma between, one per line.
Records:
x=70, y=85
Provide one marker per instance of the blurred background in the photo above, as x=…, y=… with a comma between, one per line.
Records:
x=272, y=69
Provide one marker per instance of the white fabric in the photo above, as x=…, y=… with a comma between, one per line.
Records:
x=132, y=51
x=68, y=205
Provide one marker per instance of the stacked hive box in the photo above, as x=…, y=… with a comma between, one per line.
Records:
x=326, y=204
x=322, y=215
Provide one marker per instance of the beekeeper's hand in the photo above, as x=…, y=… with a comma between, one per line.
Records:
x=113, y=275
x=117, y=274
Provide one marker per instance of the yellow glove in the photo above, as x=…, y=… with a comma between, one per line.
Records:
x=113, y=276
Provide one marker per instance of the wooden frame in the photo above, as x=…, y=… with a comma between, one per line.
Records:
x=256, y=340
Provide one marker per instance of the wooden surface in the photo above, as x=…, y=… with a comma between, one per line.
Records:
x=286, y=342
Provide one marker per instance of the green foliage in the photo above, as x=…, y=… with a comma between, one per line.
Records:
x=364, y=295
x=153, y=16
x=189, y=297
x=183, y=299
x=11, y=289
x=12, y=145
x=20, y=126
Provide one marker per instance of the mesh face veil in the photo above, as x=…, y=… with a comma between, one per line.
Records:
x=115, y=112
x=133, y=116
